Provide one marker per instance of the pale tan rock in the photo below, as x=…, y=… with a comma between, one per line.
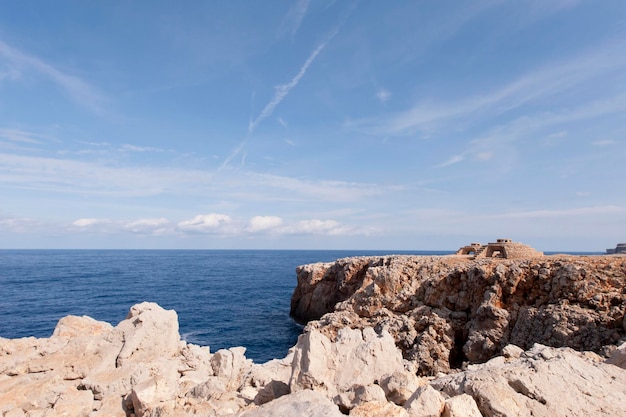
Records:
x=543, y=382
x=15, y=412
x=425, y=402
x=303, y=403
x=74, y=326
x=355, y=358
x=116, y=381
x=149, y=332
x=111, y=406
x=360, y=394
x=618, y=357
x=156, y=392
x=399, y=386
x=74, y=403
x=313, y=363
x=269, y=379
x=196, y=364
x=231, y=365
x=378, y=409
x=461, y=406
x=512, y=352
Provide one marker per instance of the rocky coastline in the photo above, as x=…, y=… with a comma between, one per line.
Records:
x=386, y=336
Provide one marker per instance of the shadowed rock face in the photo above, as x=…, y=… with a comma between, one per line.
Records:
x=443, y=311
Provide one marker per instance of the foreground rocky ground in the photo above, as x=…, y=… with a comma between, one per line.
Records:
x=356, y=360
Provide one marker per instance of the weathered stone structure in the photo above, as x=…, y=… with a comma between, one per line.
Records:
x=501, y=248
x=619, y=249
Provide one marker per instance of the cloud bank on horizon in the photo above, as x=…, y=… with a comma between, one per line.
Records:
x=357, y=125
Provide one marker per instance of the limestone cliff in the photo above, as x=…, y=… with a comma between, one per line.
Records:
x=448, y=310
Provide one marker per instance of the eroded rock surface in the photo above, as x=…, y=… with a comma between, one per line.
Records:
x=444, y=311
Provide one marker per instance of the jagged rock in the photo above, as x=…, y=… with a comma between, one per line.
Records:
x=158, y=391
x=543, y=382
x=399, y=386
x=355, y=358
x=270, y=379
x=618, y=357
x=143, y=322
x=512, y=352
x=461, y=406
x=303, y=403
x=360, y=394
x=378, y=409
x=230, y=365
x=448, y=310
x=74, y=326
x=425, y=402
x=74, y=403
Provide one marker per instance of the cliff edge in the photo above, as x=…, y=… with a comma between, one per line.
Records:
x=447, y=311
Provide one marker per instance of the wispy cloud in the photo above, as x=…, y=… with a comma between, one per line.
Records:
x=430, y=115
x=453, y=160
x=79, y=90
x=18, y=135
x=560, y=213
x=604, y=142
x=383, y=95
x=293, y=19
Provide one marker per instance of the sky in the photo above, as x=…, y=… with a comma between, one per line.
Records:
x=312, y=124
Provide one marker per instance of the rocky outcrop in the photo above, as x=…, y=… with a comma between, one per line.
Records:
x=444, y=312
x=349, y=362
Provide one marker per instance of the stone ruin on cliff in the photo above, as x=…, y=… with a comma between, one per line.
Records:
x=619, y=249
x=502, y=248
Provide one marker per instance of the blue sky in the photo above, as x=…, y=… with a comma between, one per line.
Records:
x=312, y=124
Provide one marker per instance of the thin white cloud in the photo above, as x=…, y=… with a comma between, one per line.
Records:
x=453, y=160
x=428, y=115
x=263, y=223
x=134, y=148
x=10, y=74
x=79, y=90
x=89, y=222
x=71, y=176
x=293, y=19
x=148, y=226
x=522, y=127
x=604, y=142
x=560, y=213
x=18, y=135
x=320, y=227
x=383, y=95
x=19, y=225
x=204, y=223
x=282, y=122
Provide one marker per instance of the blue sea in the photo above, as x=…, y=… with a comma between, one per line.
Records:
x=223, y=298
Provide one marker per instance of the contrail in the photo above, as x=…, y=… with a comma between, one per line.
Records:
x=283, y=90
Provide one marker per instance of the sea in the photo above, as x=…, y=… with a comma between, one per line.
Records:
x=224, y=298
